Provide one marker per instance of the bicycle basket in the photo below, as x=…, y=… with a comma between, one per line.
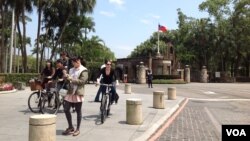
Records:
x=35, y=85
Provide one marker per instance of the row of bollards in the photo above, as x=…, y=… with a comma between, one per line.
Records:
x=134, y=106
x=43, y=127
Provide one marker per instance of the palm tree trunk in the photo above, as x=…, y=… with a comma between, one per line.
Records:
x=18, y=56
x=42, y=56
x=21, y=41
x=12, y=40
x=38, y=35
x=14, y=57
x=60, y=37
x=24, y=53
x=2, y=41
x=5, y=43
x=3, y=47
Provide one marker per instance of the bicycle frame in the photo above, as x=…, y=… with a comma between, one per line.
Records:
x=105, y=102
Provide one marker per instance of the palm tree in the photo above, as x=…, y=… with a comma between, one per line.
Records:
x=71, y=8
x=88, y=25
x=40, y=4
x=20, y=8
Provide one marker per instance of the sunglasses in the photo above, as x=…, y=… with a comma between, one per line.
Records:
x=108, y=64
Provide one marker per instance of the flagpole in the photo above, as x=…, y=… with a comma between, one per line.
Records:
x=158, y=50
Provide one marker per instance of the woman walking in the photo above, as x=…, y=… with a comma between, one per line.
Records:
x=77, y=78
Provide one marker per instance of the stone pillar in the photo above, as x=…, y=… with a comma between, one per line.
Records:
x=187, y=74
x=182, y=74
x=42, y=128
x=171, y=93
x=158, y=100
x=165, y=70
x=204, y=75
x=141, y=74
x=134, y=111
x=127, y=88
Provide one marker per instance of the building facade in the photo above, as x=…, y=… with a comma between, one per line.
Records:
x=165, y=64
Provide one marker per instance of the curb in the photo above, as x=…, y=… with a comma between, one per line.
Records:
x=168, y=121
x=6, y=92
x=159, y=126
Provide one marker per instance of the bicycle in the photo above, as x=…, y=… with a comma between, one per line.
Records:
x=38, y=100
x=105, y=102
x=56, y=99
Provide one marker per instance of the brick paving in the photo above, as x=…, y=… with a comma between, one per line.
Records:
x=192, y=124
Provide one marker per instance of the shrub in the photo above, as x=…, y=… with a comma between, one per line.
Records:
x=166, y=76
x=17, y=77
x=168, y=81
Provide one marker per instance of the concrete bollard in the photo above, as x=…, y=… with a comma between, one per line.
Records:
x=171, y=93
x=127, y=88
x=134, y=111
x=42, y=128
x=158, y=100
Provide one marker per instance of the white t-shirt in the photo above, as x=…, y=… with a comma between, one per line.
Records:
x=75, y=74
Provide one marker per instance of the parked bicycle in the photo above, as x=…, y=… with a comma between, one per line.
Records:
x=106, y=102
x=44, y=101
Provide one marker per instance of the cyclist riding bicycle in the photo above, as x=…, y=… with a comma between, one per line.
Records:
x=59, y=75
x=47, y=74
x=108, y=77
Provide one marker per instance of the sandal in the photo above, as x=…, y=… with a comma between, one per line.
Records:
x=68, y=131
x=77, y=132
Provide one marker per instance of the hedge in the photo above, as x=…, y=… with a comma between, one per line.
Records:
x=166, y=76
x=17, y=77
x=169, y=81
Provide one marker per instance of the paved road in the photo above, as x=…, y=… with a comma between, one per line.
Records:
x=210, y=106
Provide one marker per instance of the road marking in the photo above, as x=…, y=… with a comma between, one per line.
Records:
x=209, y=92
x=204, y=99
x=214, y=121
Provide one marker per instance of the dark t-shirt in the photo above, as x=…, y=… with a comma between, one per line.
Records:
x=47, y=72
x=108, y=79
x=58, y=75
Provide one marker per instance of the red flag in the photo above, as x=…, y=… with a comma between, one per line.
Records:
x=162, y=28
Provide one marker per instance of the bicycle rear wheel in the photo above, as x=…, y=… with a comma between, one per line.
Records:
x=103, y=108
x=34, y=102
x=50, y=104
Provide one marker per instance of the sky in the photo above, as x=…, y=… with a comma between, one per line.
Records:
x=125, y=24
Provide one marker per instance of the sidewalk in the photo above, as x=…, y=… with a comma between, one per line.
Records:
x=14, y=117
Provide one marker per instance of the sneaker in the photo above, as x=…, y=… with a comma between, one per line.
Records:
x=68, y=131
x=77, y=132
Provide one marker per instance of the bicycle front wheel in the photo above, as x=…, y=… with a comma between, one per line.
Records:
x=104, y=108
x=34, y=102
x=50, y=104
